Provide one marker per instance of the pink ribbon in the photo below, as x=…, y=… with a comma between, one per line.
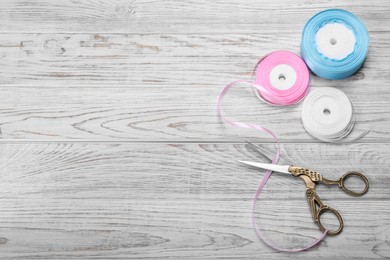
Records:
x=291, y=94
x=265, y=92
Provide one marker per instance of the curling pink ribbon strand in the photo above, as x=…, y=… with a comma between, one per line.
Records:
x=262, y=93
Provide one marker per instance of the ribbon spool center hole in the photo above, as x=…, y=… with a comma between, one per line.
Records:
x=326, y=112
x=333, y=41
x=282, y=77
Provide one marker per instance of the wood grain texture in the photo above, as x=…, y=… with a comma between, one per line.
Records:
x=100, y=87
x=174, y=16
x=180, y=200
x=159, y=60
x=110, y=146
x=166, y=114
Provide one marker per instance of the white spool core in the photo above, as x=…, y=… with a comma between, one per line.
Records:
x=335, y=41
x=282, y=77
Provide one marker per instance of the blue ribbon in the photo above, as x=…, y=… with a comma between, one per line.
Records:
x=326, y=67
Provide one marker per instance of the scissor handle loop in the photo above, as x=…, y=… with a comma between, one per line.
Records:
x=350, y=175
x=322, y=210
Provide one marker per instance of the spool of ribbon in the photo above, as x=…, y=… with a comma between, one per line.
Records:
x=334, y=44
x=328, y=115
x=284, y=76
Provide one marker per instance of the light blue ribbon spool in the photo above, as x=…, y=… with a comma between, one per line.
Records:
x=334, y=44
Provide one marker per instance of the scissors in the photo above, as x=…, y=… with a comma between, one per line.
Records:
x=311, y=178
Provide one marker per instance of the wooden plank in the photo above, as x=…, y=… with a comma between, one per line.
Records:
x=160, y=87
x=174, y=114
x=74, y=200
x=128, y=60
x=144, y=16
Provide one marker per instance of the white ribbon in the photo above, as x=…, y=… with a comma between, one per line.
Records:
x=327, y=114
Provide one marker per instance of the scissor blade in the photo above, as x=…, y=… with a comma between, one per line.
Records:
x=269, y=166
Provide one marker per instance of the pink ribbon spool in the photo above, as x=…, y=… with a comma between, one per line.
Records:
x=285, y=77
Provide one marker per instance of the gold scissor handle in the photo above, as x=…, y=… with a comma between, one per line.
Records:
x=317, y=207
x=341, y=183
x=314, y=202
x=317, y=177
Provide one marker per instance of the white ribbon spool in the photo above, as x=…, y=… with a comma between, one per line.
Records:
x=327, y=114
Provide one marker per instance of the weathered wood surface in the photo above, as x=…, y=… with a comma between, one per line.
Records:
x=158, y=60
x=158, y=87
x=180, y=200
x=165, y=114
x=175, y=16
x=110, y=146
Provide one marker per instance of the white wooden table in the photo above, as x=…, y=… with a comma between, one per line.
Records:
x=111, y=146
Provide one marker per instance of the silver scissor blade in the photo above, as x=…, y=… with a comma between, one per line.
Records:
x=269, y=166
